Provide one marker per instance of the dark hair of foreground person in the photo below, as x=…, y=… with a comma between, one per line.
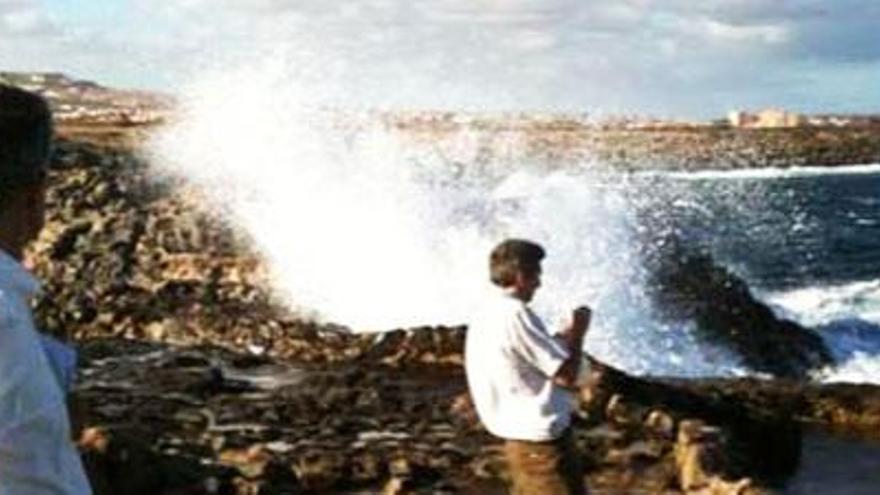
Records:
x=25, y=138
x=514, y=256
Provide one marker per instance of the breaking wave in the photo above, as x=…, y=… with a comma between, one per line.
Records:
x=821, y=305
x=847, y=316
x=768, y=172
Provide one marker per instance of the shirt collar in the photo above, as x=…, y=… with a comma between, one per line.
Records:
x=15, y=278
x=508, y=293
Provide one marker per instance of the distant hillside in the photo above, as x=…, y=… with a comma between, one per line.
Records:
x=74, y=100
x=640, y=144
x=551, y=139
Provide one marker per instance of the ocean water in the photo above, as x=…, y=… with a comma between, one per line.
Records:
x=792, y=229
x=807, y=240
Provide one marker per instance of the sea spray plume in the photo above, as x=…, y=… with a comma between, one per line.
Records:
x=333, y=208
x=365, y=228
x=356, y=225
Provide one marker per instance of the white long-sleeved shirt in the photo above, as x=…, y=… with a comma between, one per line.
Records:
x=37, y=455
x=510, y=360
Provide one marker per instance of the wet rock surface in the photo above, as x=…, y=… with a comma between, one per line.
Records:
x=687, y=285
x=156, y=418
x=194, y=380
x=162, y=419
x=207, y=420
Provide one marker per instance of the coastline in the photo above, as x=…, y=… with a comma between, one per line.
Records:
x=686, y=150
x=668, y=149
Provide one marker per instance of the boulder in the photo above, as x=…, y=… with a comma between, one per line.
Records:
x=688, y=285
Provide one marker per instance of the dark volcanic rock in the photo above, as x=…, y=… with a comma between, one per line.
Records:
x=208, y=417
x=688, y=285
x=245, y=423
x=762, y=443
x=843, y=407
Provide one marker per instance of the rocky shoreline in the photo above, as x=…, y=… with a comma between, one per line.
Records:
x=194, y=381
x=683, y=148
x=201, y=420
x=619, y=142
x=731, y=149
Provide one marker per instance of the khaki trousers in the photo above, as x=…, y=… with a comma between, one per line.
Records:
x=545, y=468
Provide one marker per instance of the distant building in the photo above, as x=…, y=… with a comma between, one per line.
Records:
x=766, y=119
x=739, y=118
x=777, y=117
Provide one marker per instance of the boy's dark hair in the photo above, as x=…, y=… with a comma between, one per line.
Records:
x=514, y=256
x=25, y=139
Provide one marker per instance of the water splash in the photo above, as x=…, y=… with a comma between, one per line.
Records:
x=363, y=227
x=823, y=304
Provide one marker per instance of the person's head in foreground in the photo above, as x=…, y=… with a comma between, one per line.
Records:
x=515, y=265
x=25, y=146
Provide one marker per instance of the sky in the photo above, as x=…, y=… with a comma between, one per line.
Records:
x=667, y=58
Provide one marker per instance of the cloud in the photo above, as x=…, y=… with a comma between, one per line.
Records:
x=24, y=18
x=843, y=31
x=9, y=5
x=669, y=56
x=769, y=34
x=858, y=42
x=28, y=23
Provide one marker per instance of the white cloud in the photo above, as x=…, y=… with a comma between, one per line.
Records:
x=535, y=40
x=8, y=5
x=669, y=56
x=23, y=18
x=770, y=34
x=27, y=22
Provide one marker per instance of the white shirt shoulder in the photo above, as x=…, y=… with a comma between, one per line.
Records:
x=37, y=455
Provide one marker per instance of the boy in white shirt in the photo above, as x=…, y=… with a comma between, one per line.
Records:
x=520, y=376
x=37, y=455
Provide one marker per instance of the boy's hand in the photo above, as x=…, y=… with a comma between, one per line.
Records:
x=580, y=320
x=573, y=336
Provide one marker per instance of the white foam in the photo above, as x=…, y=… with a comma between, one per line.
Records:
x=861, y=368
x=767, y=172
x=847, y=317
x=819, y=305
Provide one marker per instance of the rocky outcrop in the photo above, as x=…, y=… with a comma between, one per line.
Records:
x=763, y=442
x=161, y=419
x=841, y=407
x=208, y=420
x=687, y=285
